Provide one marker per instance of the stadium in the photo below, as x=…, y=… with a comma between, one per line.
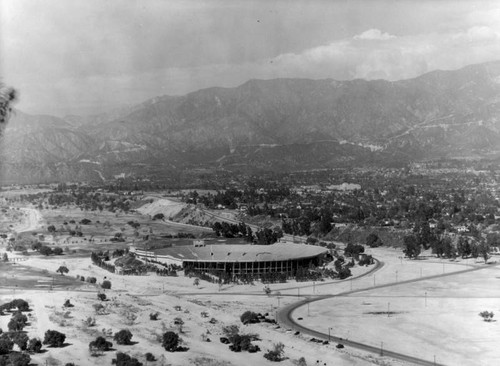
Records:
x=237, y=259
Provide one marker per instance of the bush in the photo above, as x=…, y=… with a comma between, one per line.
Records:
x=150, y=357
x=6, y=344
x=122, y=359
x=17, y=322
x=19, y=359
x=21, y=339
x=89, y=322
x=276, y=354
x=101, y=296
x=153, y=316
x=54, y=338
x=123, y=337
x=100, y=344
x=58, y=251
x=106, y=284
x=68, y=304
x=249, y=317
x=45, y=250
x=91, y=279
x=34, y=345
x=170, y=341
x=487, y=316
x=20, y=304
x=62, y=270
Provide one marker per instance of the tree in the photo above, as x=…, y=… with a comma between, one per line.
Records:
x=20, y=304
x=373, y=241
x=6, y=344
x=5, y=257
x=21, y=339
x=57, y=251
x=19, y=359
x=17, y=322
x=484, y=250
x=101, y=296
x=54, y=338
x=34, y=345
x=249, y=317
x=7, y=97
x=51, y=229
x=100, y=344
x=106, y=284
x=196, y=282
x=62, y=270
x=412, y=247
x=170, y=341
x=45, y=250
x=123, y=337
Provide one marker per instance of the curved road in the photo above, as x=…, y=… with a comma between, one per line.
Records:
x=284, y=317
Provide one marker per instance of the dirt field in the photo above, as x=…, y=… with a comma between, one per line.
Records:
x=133, y=298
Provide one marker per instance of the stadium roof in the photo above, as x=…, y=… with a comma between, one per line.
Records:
x=243, y=253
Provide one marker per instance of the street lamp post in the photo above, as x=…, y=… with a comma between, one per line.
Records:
x=329, y=337
x=396, y=276
x=388, y=309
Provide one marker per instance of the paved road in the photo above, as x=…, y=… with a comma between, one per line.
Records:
x=284, y=317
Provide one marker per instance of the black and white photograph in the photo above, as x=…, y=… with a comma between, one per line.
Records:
x=249, y=182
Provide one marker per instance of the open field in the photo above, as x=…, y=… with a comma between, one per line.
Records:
x=425, y=319
x=417, y=323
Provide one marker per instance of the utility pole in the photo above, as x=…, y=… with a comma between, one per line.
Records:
x=388, y=309
x=381, y=348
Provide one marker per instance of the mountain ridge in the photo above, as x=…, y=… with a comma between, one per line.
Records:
x=279, y=124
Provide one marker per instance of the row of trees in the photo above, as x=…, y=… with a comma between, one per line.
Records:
x=263, y=236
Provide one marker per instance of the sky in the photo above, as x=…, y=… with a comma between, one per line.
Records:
x=89, y=56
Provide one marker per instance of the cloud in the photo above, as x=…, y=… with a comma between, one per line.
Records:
x=374, y=35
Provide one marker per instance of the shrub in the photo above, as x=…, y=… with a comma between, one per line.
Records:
x=100, y=344
x=89, y=322
x=62, y=270
x=34, y=345
x=122, y=359
x=153, y=316
x=20, y=304
x=123, y=337
x=98, y=308
x=17, y=322
x=68, y=304
x=249, y=317
x=91, y=279
x=54, y=338
x=106, y=284
x=57, y=251
x=45, y=250
x=150, y=357
x=6, y=344
x=276, y=354
x=170, y=341
x=19, y=359
x=487, y=316
x=21, y=339
x=101, y=296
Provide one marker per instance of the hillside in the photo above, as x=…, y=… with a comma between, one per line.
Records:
x=282, y=124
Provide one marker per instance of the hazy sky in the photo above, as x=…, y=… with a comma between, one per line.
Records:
x=78, y=56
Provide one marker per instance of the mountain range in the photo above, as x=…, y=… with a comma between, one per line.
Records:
x=280, y=125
